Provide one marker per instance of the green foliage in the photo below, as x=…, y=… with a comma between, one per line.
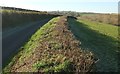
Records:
x=52, y=66
x=65, y=66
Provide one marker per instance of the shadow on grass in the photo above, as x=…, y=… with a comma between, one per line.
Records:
x=17, y=39
x=105, y=48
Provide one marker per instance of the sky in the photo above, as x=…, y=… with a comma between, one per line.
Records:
x=98, y=6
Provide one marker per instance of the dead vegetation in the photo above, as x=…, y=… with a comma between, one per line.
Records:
x=57, y=51
x=102, y=18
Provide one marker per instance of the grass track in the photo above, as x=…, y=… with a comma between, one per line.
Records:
x=104, y=47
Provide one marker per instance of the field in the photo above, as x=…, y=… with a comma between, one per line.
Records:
x=99, y=38
x=102, y=18
x=12, y=16
x=106, y=29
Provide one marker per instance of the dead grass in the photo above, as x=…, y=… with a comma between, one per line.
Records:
x=102, y=18
x=57, y=51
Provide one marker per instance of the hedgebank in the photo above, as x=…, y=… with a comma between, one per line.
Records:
x=53, y=48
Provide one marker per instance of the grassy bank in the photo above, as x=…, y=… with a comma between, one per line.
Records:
x=53, y=48
x=15, y=17
x=99, y=38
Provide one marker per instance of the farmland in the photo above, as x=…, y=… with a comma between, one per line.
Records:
x=102, y=18
x=106, y=29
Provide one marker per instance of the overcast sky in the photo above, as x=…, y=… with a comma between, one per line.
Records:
x=99, y=6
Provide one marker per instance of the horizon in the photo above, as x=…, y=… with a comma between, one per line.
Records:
x=91, y=6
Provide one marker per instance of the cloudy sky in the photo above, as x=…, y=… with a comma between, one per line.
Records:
x=99, y=6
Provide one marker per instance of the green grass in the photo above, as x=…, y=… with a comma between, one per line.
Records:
x=40, y=34
x=52, y=48
x=102, y=28
x=50, y=63
x=53, y=65
x=101, y=39
x=27, y=49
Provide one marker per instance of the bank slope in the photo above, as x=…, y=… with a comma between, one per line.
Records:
x=53, y=48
